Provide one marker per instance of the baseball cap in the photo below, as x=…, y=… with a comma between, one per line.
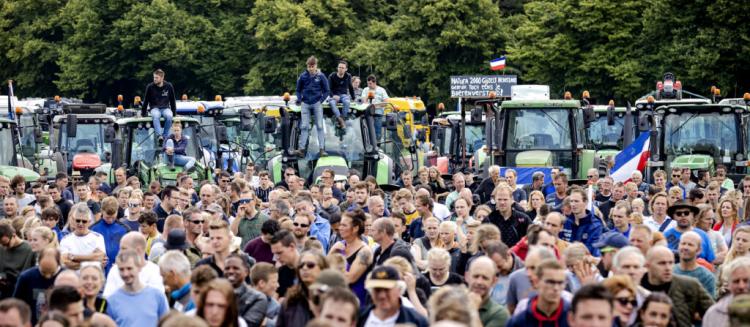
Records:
x=613, y=239
x=383, y=277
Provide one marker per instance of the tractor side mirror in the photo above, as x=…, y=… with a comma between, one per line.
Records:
x=391, y=122
x=109, y=134
x=589, y=116
x=71, y=125
x=246, y=119
x=116, y=153
x=610, y=116
x=269, y=127
x=476, y=115
x=221, y=134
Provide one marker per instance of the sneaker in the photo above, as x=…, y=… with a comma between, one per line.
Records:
x=161, y=141
x=296, y=153
x=342, y=124
x=322, y=153
x=171, y=166
x=191, y=170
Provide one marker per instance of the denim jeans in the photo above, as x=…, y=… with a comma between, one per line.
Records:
x=156, y=114
x=305, y=124
x=345, y=100
x=185, y=162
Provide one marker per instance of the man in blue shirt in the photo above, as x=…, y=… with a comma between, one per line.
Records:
x=320, y=228
x=312, y=89
x=582, y=225
x=151, y=303
x=111, y=229
x=683, y=213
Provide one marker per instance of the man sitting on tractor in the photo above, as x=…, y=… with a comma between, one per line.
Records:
x=174, y=149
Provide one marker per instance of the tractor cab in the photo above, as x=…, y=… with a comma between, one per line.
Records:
x=210, y=130
x=137, y=149
x=692, y=132
x=12, y=163
x=533, y=131
x=353, y=147
x=414, y=113
x=255, y=135
x=607, y=131
x=81, y=139
x=460, y=137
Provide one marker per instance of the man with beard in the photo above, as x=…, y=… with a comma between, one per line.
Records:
x=302, y=221
x=684, y=214
x=251, y=304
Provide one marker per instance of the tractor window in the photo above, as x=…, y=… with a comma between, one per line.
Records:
x=712, y=134
x=537, y=128
x=28, y=142
x=143, y=145
x=474, y=138
x=207, y=133
x=347, y=143
x=6, y=152
x=605, y=136
x=89, y=139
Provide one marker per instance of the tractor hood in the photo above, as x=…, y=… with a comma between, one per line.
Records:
x=86, y=161
x=10, y=171
x=693, y=161
x=535, y=158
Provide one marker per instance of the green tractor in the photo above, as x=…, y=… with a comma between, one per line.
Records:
x=254, y=136
x=694, y=135
x=12, y=163
x=532, y=131
x=459, y=138
x=137, y=149
x=80, y=139
x=352, y=147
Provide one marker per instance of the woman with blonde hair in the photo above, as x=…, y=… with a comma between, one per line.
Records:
x=451, y=303
x=536, y=201
x=437, y=184
x=674, y=194
x=625, y=304
x=740, y=243
x=413, y=298
x=92, y=281
x=581, y=265
x=42, y=237
x=727, y=218
x=431, y=239
x=485, y=233
x=30, y=224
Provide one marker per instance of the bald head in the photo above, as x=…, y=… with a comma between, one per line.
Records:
x=133, y=241
x=660, y=262
x=692, y=236
x=657, y=251
x=482, y=263
x=68, y=278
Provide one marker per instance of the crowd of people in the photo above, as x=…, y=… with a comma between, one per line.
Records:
x=241, y=251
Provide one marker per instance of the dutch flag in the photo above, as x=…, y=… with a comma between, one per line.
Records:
x=632, y=158
x=498, y=63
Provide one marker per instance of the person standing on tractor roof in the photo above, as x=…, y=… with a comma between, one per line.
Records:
x=312, y=89
x=160, y=96
x=342, y=92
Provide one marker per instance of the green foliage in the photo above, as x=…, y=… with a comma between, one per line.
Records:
x=97, y=49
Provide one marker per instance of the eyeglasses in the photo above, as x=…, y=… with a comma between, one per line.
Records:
x=681, y=213
x=623, y=301
x=308, y=264
x=196, y=221
x=49, y=218
x=301, y=225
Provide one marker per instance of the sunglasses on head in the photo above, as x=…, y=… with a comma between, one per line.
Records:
x=308, y=264
x=623, y=301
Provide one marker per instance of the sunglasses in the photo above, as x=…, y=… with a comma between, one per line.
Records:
x=288, y=174
x=134, y=205
x=623, y=301
x=301, y=225
x=82, y=221
x=308, y=264
x=197, y=221
x=676, y=175
x=590, y=176
x=245, y=201
x=681, y=213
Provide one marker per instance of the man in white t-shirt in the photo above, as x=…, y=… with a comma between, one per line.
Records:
x=149, y=273
x=83, y=245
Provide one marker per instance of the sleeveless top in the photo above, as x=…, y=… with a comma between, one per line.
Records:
x=358, y=287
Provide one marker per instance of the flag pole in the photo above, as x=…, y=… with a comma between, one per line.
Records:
x=10, y=97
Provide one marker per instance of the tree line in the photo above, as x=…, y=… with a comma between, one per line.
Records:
x=96, y=49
